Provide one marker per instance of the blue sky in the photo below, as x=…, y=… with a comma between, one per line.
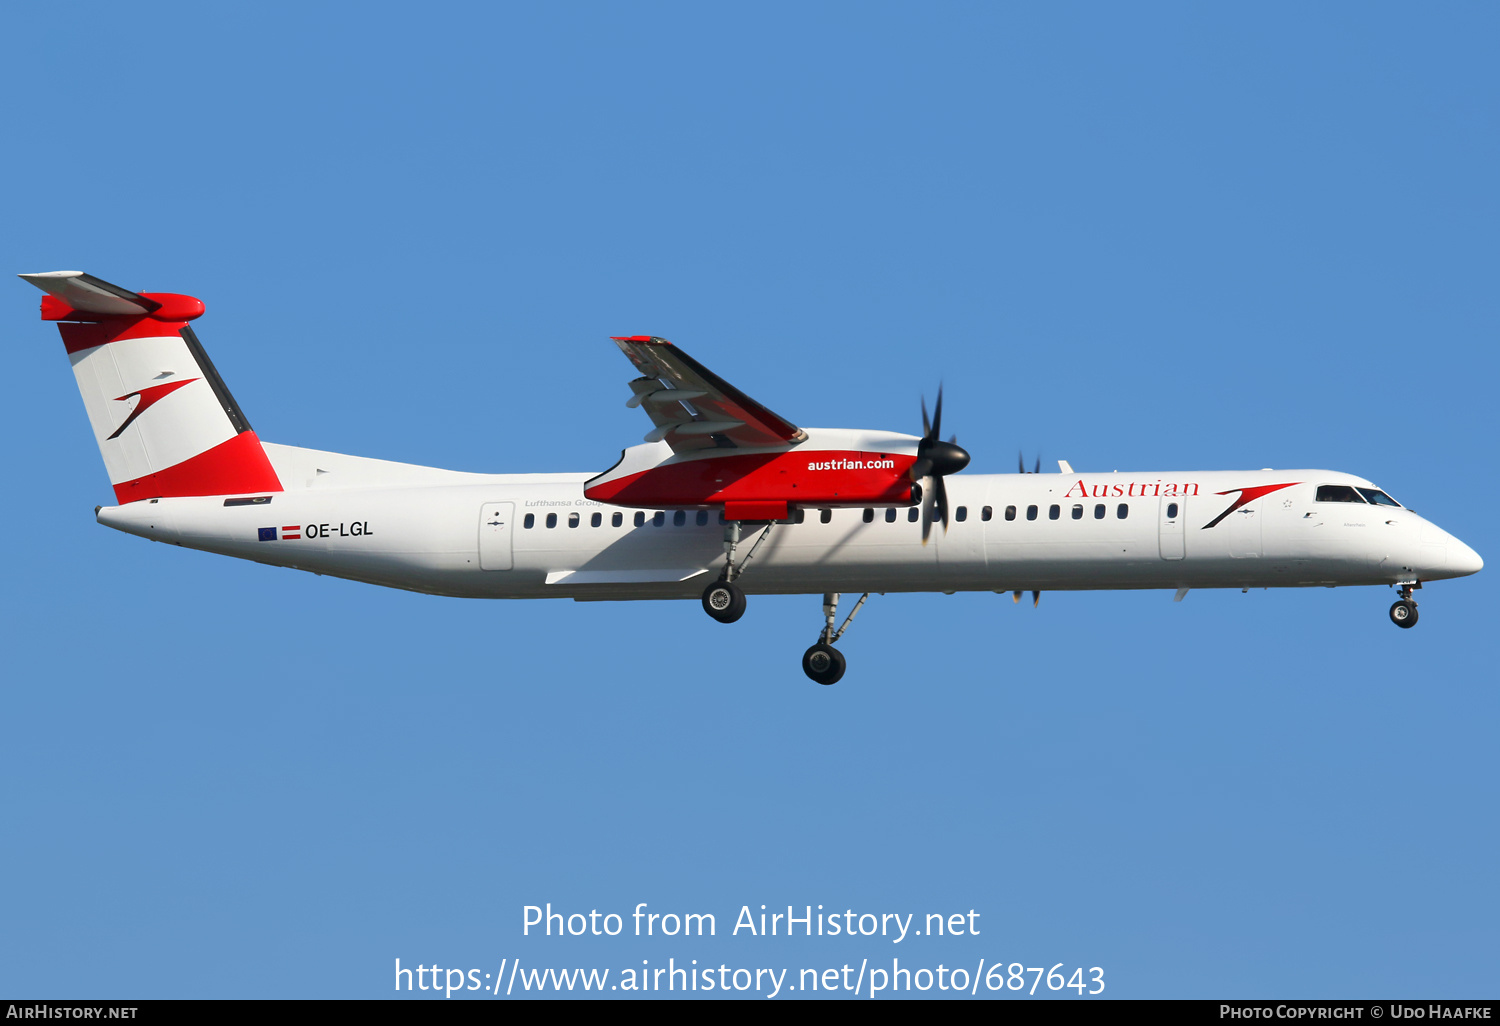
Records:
x=1145, y=237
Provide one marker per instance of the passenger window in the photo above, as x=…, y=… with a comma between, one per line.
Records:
x=961, y=514
x=913, y=514
x=640, y=518
x=1010, y=512
x=799, y=516
x=1379, y=498
x=530, y=521
x=616, y=519
x=551, y=520
x=702, y=518
x=869, y=515
x=658, y=518
x=1171, y=511
x=916, y=494
x=987, y=513
x=572, y=519
x=1054, y=511
x=1077, y=512
x=1122, y=511
x=1031, y=512
x=1338, y=493
x=825, y=515
x=1099, y=511
x=596, y=519
x=722, y=518
x=890, y=515
x=679, y=518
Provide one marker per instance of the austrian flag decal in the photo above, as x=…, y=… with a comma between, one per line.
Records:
x=293, y=533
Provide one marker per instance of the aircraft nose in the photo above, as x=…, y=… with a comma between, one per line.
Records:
x=1463, y=560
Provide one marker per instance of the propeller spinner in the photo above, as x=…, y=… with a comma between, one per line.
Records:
x=936, y=459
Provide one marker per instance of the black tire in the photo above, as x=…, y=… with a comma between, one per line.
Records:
x=824, y=663
x=724, y=602
x=1404, y=613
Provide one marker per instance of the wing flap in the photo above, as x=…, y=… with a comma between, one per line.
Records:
x=574, y=577
x=693, y=408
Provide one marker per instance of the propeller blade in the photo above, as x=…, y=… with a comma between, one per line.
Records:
x=1020, y=462
x=1036, y=598
x=937, y=415
x=928, y=500
x=1015, y=597
x=926, y=426
x=1038, y=469
x=942, y=501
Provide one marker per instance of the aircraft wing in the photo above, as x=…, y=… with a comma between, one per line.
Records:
x=693, y=408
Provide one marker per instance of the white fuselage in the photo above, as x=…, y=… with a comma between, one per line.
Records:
x=488, y=536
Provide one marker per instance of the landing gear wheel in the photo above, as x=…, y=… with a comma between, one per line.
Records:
x=823, y=663
x=1404, y=613
x=724, y=602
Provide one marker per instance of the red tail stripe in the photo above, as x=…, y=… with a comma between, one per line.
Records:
x=80, y=336
x=238, y=465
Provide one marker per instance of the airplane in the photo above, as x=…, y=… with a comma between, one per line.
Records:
x=722, y=499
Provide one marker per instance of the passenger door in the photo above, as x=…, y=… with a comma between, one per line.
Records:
x=495, y=529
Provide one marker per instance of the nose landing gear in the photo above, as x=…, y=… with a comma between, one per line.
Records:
x=1404, y=611
x=824, y=663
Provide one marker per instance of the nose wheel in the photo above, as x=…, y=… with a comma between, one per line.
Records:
x=1404, y=611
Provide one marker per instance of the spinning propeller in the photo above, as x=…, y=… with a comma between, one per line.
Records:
x=1036, y=596
x=936, y=459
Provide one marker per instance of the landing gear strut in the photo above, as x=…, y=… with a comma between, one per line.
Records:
x=1404, y=611
x=723, y=600
x=824, y=663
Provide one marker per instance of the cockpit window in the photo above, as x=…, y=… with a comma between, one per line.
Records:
x=1378, y=497
x=1338, y=493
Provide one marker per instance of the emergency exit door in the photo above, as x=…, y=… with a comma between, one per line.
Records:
x=1171, y=529
x=495, y=528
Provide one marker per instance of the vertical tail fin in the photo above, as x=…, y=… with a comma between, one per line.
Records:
x=165, y=423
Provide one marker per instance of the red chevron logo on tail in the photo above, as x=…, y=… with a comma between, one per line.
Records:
x=150, y=395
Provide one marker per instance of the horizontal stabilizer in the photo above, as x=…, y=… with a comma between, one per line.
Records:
x=87, y=294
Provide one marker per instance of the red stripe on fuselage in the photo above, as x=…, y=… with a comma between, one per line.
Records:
x=238, y=465
x=762, y=477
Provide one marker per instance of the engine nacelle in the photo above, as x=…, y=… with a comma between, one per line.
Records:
x=834, y=473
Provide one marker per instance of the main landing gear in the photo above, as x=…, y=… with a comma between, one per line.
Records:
x=824, y=663
x=723, y=600
x=1404, y=611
